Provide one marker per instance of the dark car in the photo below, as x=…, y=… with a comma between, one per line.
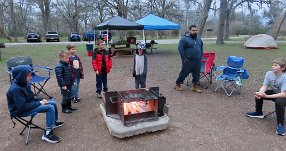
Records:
x=52, y=36
x=33, y=37
x=74, y=37
x=88, y=36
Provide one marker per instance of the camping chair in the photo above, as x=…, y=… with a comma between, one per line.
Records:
x=207, y=70
x=38, y=81
x=230, y=77
x=28, y=124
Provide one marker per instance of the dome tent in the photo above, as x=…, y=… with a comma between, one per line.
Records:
x=260, y=41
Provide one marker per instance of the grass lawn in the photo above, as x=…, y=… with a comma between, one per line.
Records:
x=256, y=61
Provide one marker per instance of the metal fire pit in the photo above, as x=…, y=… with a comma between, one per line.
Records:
x=132, y=112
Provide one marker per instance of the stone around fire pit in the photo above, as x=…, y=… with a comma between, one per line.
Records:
x=117, y=129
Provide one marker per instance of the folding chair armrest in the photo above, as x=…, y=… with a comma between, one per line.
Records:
x=43, y=68
x=218, y=68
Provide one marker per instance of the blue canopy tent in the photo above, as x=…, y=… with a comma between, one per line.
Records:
x=153, y=22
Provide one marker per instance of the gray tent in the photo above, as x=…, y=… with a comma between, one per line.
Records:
x=119, y=23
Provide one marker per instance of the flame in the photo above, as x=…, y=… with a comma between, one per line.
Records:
x=138, y=107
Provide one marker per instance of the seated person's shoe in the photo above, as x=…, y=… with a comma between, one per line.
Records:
x=58, y=124
x=72, y=108
x=280, y=130
x=50, y=137
x=255, y=114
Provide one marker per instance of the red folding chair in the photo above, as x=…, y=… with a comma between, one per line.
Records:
x=207, y=70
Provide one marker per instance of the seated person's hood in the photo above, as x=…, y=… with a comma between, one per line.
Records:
x=20, y=73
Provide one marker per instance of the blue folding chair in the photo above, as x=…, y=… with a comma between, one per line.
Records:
x=230, y=77
x=40, y=75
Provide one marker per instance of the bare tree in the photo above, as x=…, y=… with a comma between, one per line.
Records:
x=221, y=22
x=121, y=6
x=44, y=6
x=279, y=27
x=204, y=15
x=13, y=31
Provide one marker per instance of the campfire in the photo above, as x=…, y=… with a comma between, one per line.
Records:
x=134, y=107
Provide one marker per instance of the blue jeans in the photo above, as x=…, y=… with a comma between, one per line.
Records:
x=51, y=113
x=75, y=87
x=101, y=80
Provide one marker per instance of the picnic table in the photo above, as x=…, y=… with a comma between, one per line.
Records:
x=120, y=47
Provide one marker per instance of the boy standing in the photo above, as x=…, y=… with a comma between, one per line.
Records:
x=101, y=63
x=65, y=81
x=274, y=88
x=140, y=67
x=77, y=72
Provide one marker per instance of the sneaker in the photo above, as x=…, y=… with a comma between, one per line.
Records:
x=255, y=114
x=280, y=130
x=51, y=137
x=58, y=124
x=178, y=87
x=77, y=98
x=99, y=95
x=74, y=100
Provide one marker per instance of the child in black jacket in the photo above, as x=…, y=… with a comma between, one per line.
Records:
x=65, y=81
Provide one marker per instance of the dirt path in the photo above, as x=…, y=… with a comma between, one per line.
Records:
x=207, y=121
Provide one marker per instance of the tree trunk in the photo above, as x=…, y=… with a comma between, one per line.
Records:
x=227, y=31
x=221, y=23
x=279, y=27
x=204, y=16
x=13, y=20
x=44, y=6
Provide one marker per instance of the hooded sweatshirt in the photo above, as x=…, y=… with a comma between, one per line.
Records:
x=190, y=48
x=20, y=97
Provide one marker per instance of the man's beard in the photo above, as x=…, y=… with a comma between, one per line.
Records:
x=194, y=35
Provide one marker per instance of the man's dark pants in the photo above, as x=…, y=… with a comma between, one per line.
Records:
x=188, y=67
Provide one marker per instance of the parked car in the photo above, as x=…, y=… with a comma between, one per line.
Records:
x=103, y=34
x=33, y=37
x=74, y=37
x=88, y=36
x=52, y=36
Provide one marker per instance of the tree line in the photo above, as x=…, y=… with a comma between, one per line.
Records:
x=220, y=18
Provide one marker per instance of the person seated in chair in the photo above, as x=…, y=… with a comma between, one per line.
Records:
x=273, y=88
x=23, y=103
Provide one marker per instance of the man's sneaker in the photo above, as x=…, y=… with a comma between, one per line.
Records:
x=99, y=95
x=280, y=130
x=255, y=114
x=51, y=137
x=58, y=124
x=178, y=87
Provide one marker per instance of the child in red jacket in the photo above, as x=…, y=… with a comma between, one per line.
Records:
x=102, y=63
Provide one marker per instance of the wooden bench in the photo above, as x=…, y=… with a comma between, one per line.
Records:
x=122, y=50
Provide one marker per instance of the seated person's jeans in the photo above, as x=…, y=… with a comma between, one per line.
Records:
x=51, y=113
x=279, y=106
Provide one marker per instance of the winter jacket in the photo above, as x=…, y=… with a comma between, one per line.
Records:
x=64, y=74
x=81, y=75
x=145, y=65
x=190, y=49
x=97, y=60
x=20, y=97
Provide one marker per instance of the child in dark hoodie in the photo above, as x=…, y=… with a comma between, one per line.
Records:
x=65, y=81
x=23, y=103
x=140, y=67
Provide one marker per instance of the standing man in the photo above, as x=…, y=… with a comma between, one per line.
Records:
x=191, y=51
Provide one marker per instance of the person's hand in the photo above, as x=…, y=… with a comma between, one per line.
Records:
x=260, y=95
x=97, y=72
x=44, y=102
x=64, y=87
